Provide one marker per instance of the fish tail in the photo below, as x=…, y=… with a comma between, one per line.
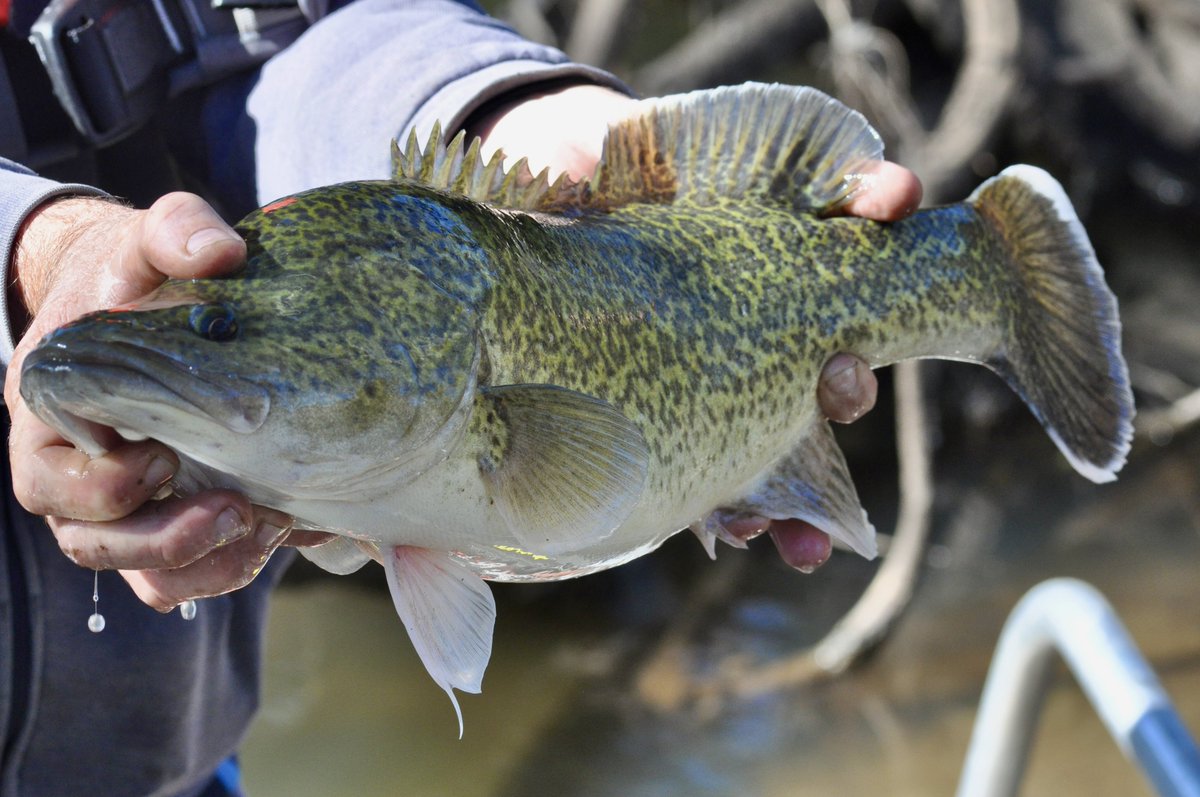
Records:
x=1062, y=345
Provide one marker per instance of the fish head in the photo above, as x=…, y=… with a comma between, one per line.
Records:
x=260, y=379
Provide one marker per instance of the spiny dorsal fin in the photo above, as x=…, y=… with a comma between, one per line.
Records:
x=787, y=145
x=450, y=168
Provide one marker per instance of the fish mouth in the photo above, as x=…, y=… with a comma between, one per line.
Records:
x=73, y=385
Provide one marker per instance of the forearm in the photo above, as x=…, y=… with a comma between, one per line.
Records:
x=325, y=112
x=21, y=192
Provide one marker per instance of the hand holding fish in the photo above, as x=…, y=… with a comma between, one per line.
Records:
x=80, y=254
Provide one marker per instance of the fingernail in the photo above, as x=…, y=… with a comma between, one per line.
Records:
x=269, y=534
x=229, y=526
x=207, y=237
x=845, y=378
x=159, y=472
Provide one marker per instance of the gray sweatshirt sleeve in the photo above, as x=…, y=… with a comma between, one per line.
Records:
x=326, y=112
x=20, y=192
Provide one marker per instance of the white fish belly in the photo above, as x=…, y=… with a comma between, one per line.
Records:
x=448, y=509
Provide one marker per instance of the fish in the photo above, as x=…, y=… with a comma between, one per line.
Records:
x=470, y=374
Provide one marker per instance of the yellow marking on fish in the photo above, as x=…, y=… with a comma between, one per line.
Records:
x=537, y=557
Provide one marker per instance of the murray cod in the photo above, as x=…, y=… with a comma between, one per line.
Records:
x=471, y=376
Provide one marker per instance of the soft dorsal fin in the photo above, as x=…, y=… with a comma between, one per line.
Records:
x=788, y=145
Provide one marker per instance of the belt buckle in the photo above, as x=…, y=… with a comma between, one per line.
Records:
x=107, y=89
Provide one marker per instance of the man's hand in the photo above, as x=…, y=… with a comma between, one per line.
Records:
x=563, y=129
x=79, y=254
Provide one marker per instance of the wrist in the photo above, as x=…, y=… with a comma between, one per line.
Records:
x=50, y=234
x=561, y=127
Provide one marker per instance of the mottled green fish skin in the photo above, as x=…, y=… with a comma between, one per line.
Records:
x=707, y=326
x=715, y=322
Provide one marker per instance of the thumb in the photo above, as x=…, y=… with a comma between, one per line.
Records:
x=179, y=236
x=847, y=388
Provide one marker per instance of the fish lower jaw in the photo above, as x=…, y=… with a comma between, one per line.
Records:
x=90, y=437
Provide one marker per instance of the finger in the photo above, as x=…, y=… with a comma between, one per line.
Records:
x=52, y=477
x=180, y=236
x=161, y=534
x=800, y=544
x=222, y=570
x=746, y=527
x=891, y=193
x=847, y=389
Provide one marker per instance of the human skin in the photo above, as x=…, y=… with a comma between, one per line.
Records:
x=79, y=254
x=75, y=255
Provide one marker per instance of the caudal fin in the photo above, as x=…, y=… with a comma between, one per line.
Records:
x=1063, y=342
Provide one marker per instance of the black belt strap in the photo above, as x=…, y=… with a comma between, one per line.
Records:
x=113, y=63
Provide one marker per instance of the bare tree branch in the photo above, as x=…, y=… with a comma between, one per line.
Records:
x=1154, y=75
x=595, y=29
x=869, y=66
x=981, y=94
x=528, y=17
x=731, y=44
x=664, y=679
x=1162, y=424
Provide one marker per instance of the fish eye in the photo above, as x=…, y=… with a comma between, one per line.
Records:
x=213, y=322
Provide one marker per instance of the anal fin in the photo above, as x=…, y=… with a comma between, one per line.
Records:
x=813, y=484
x=713, y=527
x=449, y=614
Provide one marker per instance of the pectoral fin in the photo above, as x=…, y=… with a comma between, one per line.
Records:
x=813, y=484
x=563, y=469
x=340, y=556
x=449, y=613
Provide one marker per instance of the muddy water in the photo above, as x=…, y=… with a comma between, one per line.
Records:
x=567, y=708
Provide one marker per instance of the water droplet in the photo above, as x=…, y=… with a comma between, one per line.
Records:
x=187, y=610
x=96, y=621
